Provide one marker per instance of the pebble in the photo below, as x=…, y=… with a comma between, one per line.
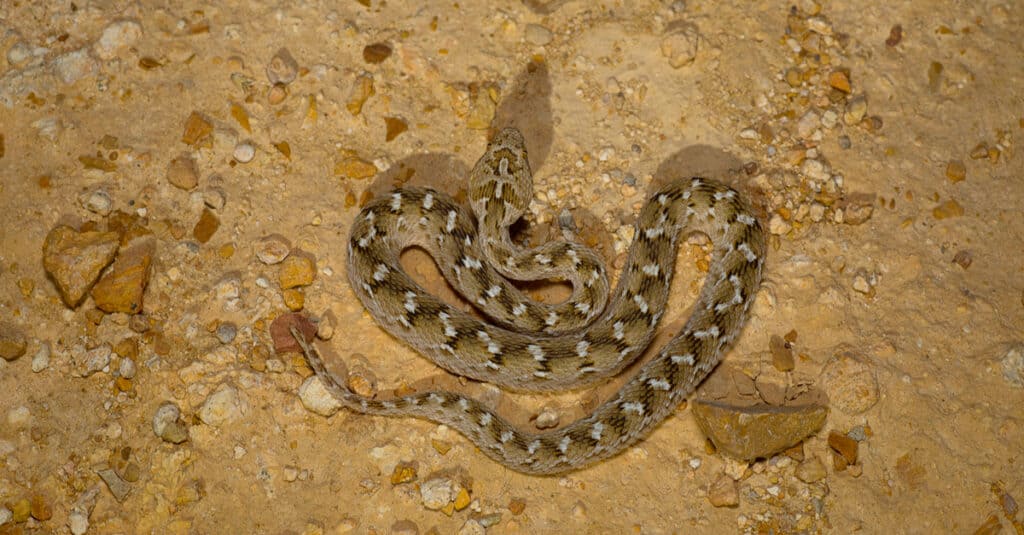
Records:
x=78, y=522
x=315, y=397
x=119, y=488
x=215, y=198
x=963, y=258
x=197, y=129
x=376, y=53
x=282, y=69
x=353, y=167
x=97, y=202
x=122, y=288
x=41, y=360
x=948, y=209
x=97, y=359
x=182, y=172
x=226, y=332
x=206, y=226
x=75, y=65
x=778, y=226
x=12, y=342
x=325, y=329
x=75, y=259
x=437, y=493
x=844, y=446
x=861, y=284
x=807, y=124
x=5, y=515
x=280, y=332
x=116, y=37
x=538, y=35
x=680, y=46
x=361, y=91
x=224, y=406
x=840, y=80
x=127, y=368
x=244, y=152
x=782, y=354
x=393, y=127
x=19, y=416
x=296, y=270
x=829, y=119
x=273, y=249
x=956, y=171
x=756, y=431
x=850, y=384
x=856, y=109
x=1013, y=366
x=167, y=424
x=811, y=470
x=724, y=492
x=546, y=419
x=472, y=527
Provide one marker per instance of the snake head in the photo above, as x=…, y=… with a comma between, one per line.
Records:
x=502, y=175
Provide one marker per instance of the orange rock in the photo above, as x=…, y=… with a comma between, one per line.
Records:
x=196, y=129
x=206, y=226
x=122, y=289
x=75, y=259
x=839, y=80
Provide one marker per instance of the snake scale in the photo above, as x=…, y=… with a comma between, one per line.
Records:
x=531, y=346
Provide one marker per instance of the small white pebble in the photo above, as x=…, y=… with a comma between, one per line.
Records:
x=41, y=360
x=244, y=152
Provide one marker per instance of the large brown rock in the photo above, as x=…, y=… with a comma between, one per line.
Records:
x=757, y=431
x=123, y=287
x=75, y=259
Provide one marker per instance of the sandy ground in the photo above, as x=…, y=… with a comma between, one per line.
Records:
x=883, y=162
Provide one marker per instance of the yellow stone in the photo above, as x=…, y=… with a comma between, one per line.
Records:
x=353, y=167
x=839, y=80
x=75, y=259
x=241, y=116
x=462, y=500
x=296, y=270
x=294, y=299
x=441, y=446
x=196, y=129
x=403, y=473
x=948, y=209
x=956, y=171
x=123, y=287
x=361, y=91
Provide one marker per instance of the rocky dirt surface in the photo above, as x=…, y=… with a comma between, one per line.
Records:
x=174, y=178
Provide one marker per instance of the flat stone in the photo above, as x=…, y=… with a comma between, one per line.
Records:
x=182, y=172
x=224, y=406
x=119, y=488
x=811, y=470
x=206, y=226
x=843, y=445
x=317, y=398
x=281, y=335
x=850, y=384
x=297, y=270
x=757, y=431
x=197, y=128
x=724, y=492
x=117, y=36
x=75, y=259
x=12, y=342
x=123, y=287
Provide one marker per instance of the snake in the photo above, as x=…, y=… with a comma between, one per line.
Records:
x=530, y=346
